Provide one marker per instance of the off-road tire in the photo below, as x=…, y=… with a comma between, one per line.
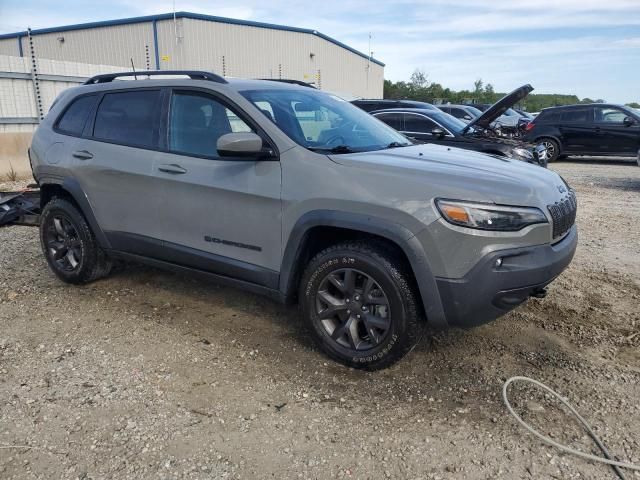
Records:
x=92, y=263
x=396, y=283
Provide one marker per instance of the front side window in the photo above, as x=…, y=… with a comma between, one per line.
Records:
x=197, y=121
x=130, y=118
x=76, y=115
x=609, y=115
x=323, y=122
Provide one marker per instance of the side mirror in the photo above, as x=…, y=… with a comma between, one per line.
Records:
x=628, y=121
x=467, y=117
x=242, y=144
x=437, y=132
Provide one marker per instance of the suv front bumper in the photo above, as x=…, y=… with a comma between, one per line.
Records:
x=489, y=291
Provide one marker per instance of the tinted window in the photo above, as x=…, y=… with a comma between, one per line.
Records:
x=548, y=117
x=196, y=122
x=575, y=116
x=131, y=118
x=75, y=117
x=394, y=120
x=460, y=113
x=609, y=115
x=323, y=122
x=418, y=123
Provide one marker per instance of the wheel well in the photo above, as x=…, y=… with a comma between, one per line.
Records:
x=52, y=190
x=318, y=238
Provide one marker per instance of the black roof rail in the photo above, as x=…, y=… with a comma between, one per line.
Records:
x=193, y=74
x=291, y=81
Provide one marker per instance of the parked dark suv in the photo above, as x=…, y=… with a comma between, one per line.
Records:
x=369, y=105
x=595, y=129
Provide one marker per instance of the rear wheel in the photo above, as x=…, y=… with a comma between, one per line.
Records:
x=69, y=245
x=361, y=305
x=553, y=148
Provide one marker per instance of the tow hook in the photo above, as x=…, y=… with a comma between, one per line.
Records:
x=539, y=292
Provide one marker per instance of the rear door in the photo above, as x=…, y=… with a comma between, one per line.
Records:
x=576, y=128
x=614, y=136
x=394, y=119
x=114, y=165
x=217, y=214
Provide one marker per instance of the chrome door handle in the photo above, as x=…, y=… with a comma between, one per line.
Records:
x=82, y=154
x=173, y=168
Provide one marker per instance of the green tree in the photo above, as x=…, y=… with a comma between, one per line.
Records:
x=633, y=105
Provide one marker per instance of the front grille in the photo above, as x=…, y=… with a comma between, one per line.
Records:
x=563, y=214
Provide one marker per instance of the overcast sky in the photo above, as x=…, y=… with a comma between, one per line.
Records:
x=587, y=47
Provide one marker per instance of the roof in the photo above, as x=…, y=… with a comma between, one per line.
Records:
x=195, y=16
x=581, y=105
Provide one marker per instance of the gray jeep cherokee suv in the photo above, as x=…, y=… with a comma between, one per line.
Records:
x=293, y=193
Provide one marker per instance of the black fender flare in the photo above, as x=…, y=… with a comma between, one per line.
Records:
x=391, y=231
x=74, y=189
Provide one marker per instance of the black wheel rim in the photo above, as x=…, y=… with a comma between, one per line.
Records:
x=63, y=245
x=353, y=309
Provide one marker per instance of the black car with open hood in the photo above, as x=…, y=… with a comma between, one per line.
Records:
x=435, y=126
x=496, y=110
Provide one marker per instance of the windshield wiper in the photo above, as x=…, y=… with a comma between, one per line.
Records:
x=336, y=149
x=398, y=144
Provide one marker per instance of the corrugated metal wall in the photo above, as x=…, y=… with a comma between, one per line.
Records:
x=247, y=51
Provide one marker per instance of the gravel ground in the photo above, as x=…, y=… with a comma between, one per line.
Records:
x=149, y=374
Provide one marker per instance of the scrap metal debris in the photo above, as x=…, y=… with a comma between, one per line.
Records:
x=20, y=208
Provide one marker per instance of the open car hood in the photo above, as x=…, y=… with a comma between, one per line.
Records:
x=497, y=109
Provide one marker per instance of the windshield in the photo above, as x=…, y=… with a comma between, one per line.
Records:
x=474, y=111
x=323, y=122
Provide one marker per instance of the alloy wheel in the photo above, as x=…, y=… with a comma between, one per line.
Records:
x=63, y=243
x=551, y=148
x=353, y=309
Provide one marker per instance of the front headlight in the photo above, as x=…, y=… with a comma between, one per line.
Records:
x=484, y=216
x=523, y=152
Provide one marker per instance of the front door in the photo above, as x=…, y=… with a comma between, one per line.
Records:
x=216, y=214
x=615, y=136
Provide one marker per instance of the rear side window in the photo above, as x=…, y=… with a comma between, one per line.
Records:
x=394, y=120
x=75, y=116
x=418, y=123
x=575, y=116
x=130, y=118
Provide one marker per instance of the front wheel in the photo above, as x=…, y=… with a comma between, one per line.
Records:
x=360, y=305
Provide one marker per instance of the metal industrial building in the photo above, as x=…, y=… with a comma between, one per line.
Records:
x=230, y=47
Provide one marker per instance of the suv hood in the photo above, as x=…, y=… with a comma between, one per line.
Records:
x=462, y=173
x=497, y=109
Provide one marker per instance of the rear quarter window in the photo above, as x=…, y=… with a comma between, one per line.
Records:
x=548, y=117
x=74, y=118
x=129, y=118
x=575, y=116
